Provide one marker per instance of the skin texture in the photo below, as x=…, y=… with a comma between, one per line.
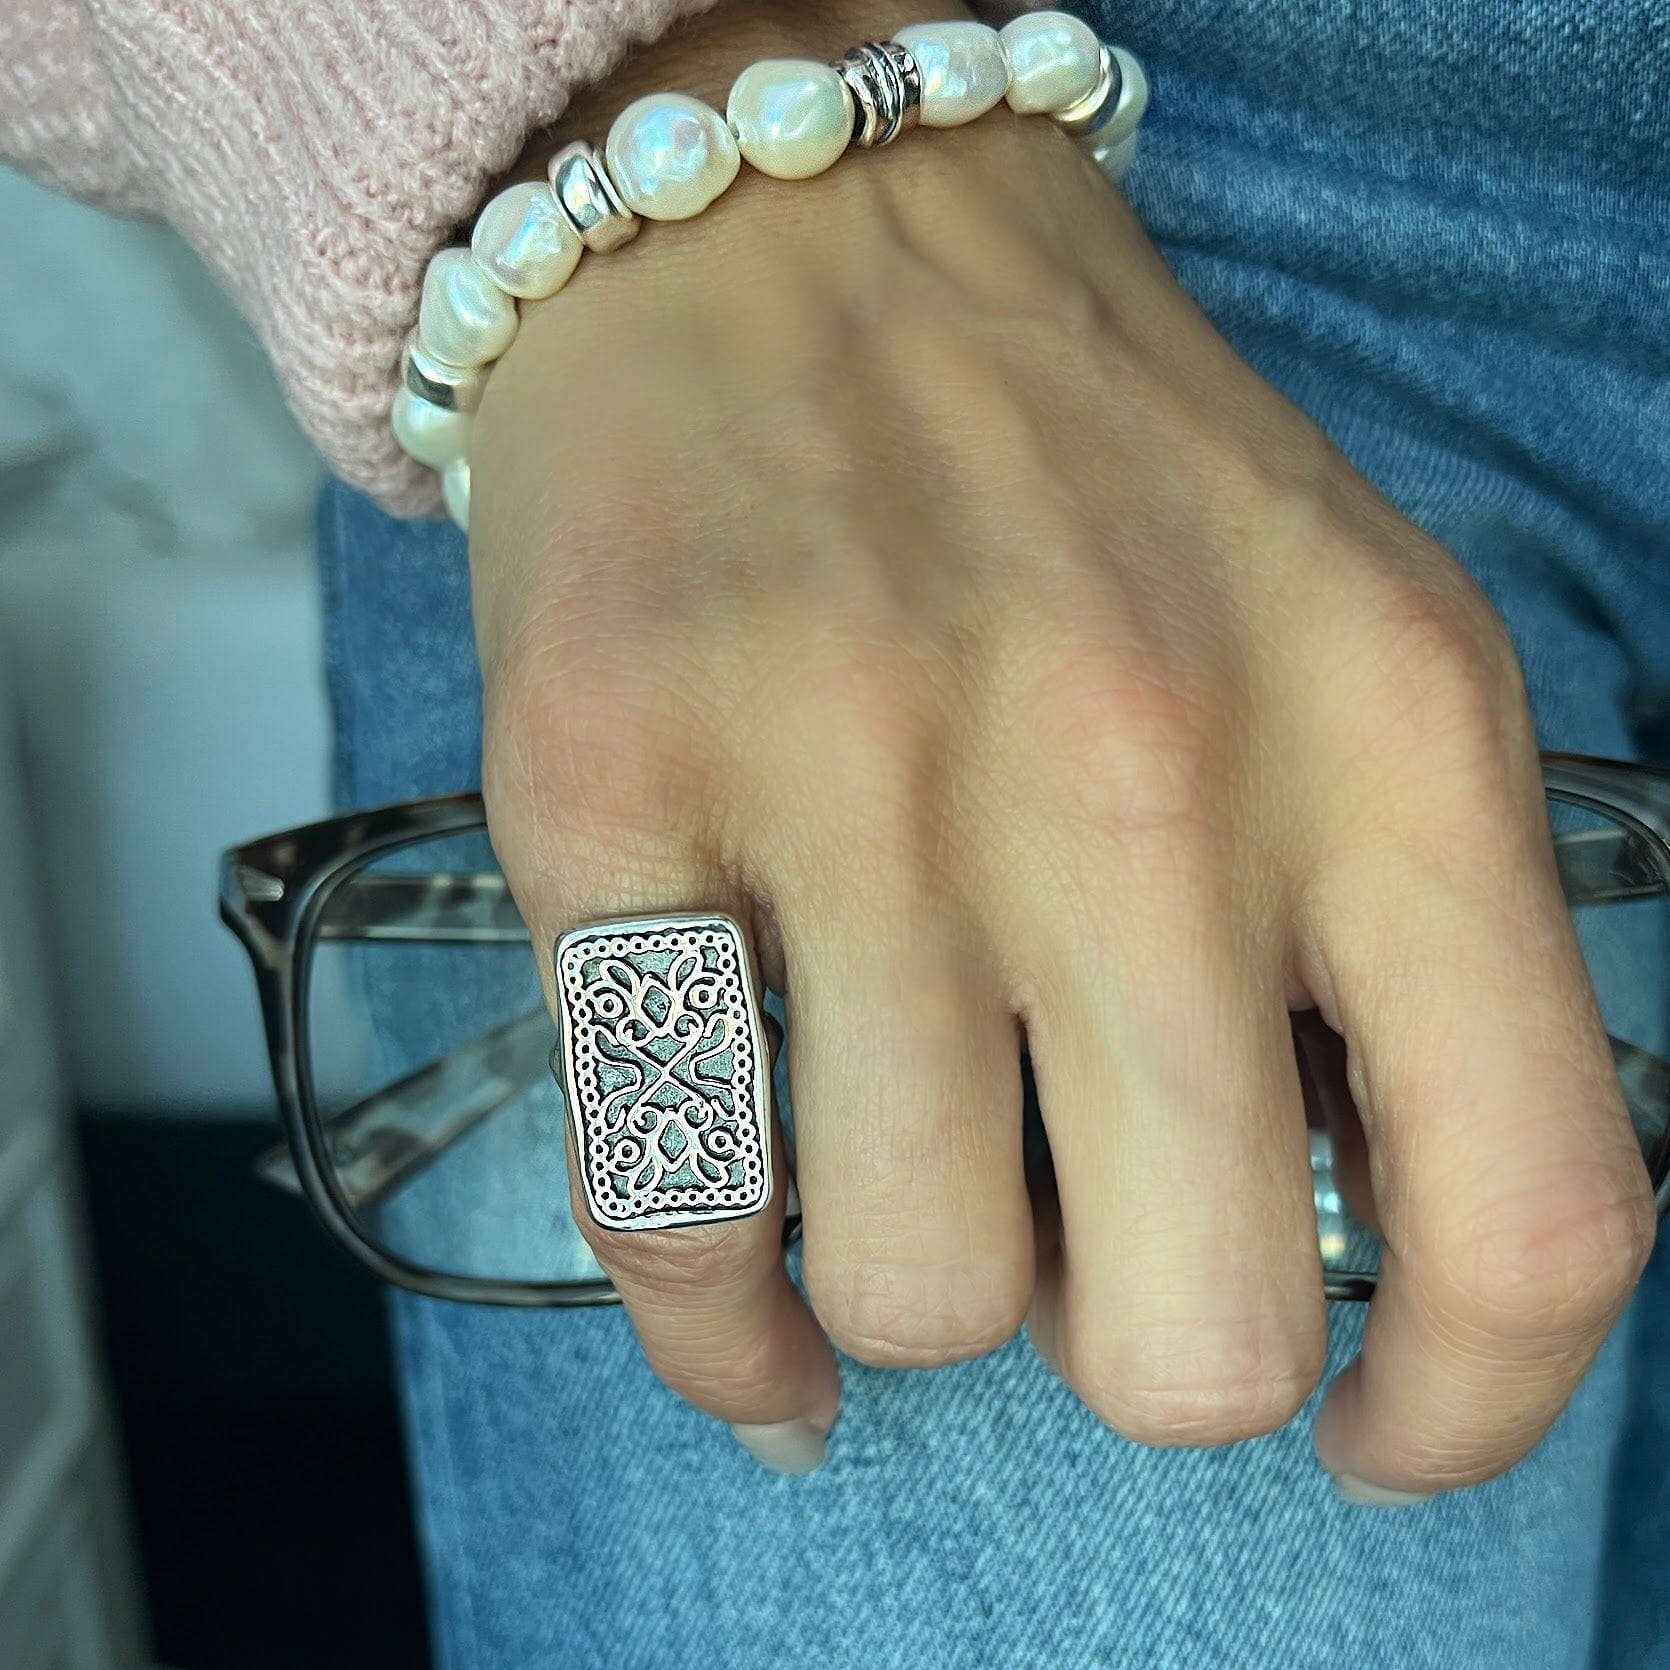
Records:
x=902, y=563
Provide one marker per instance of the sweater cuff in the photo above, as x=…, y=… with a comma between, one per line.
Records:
x=317, y=156
x=55, y=121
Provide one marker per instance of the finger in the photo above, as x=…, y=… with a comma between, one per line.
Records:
x=713, y=1307
x=1511, y=1192
x=1186, y=1307
x=904, y=1068
x=721, y=1324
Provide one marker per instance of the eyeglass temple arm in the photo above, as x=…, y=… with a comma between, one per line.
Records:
x=392, y=1136
x=383, y=1141
x=388, y=1138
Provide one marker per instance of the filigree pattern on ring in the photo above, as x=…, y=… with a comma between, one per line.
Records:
x=664, y=1072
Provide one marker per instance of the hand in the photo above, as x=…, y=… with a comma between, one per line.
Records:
x=900, y=562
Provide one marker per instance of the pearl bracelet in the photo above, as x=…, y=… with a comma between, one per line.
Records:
x=669, y=156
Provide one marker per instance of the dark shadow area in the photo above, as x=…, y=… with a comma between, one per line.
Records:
x=251, y=1368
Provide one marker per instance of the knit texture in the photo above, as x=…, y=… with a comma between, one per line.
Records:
x=316, y=153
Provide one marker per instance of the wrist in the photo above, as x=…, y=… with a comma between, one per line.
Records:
x=671, y=156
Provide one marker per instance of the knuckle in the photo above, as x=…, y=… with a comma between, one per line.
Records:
x=1130, y=744
x=1556, y=1263
x=1198, y=1386
x=892, y=1315
x=583, y=740
x=1443, y=678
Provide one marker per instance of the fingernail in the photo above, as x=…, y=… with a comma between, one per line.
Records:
x=1361, y=1494
x=784, y=1447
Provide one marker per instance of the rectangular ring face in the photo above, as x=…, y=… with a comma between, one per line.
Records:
x=665, y=1070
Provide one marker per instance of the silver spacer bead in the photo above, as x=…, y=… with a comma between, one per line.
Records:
x=886, y=88
x=1093, y=110
x=587, y=196
x=1113, y=110
x=454, y=388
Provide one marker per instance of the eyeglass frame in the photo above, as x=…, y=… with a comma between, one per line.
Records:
x=274, y=891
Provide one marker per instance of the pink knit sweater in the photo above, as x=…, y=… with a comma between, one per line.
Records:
x=316, y=153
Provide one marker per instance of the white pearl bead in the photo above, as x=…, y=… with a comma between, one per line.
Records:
x=427, y=432
x=1054, y=61
x=525, y=243
x=464, y=318
x=670, y=156
x=792, y=117
x=964, y=72
x=1115, y=159
x=455, y=489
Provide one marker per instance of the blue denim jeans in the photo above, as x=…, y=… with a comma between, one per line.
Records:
x=1440, y=227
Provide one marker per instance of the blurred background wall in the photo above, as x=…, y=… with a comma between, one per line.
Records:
x=161, y=688
x=155, y=504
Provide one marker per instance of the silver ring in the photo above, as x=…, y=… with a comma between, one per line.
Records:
x=666, y=1071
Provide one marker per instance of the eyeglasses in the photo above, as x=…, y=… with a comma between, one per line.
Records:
x=410, y=1043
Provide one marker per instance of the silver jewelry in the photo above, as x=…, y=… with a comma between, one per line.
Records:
x=587, y=196
x=666, y=1071
x=886, y=88
x=454, y=388
x=1097, y=105
x=1114, y=107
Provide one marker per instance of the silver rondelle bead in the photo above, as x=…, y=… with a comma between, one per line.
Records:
x=454, y=388
x=886, y=91
x=1113, y=110
x=587, y=196
x=1094, y=109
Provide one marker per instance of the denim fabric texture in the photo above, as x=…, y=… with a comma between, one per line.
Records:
x=1443, y=228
